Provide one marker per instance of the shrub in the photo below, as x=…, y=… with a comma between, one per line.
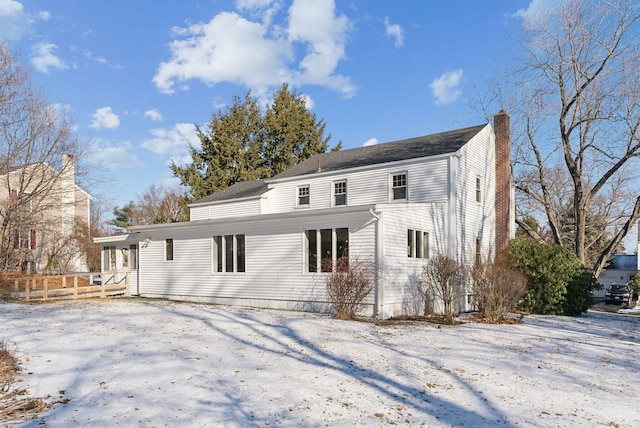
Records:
x=498, y=288
x=635, y=282
x=348, y=284
x=441, y=281
x=579, y=293
x=558, y=283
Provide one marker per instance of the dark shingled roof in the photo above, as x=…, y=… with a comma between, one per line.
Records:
x=411, y=148
x=242, y=189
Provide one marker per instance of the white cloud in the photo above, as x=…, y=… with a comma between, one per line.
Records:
x=370, y=142
x=87, y=53
x=105, y=118
x=394, y=31
x=43, y=58
x=535, y=11
x=259, y=55
x=174, y=142
x=153, y=114
x=14, y=21
x=308, y=101
x=44, y=15
x=446, y=88
x=114, y=156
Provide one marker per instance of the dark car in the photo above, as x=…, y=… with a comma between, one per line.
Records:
x=618, y=293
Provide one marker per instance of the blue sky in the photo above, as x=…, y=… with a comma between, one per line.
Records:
x=137, y=75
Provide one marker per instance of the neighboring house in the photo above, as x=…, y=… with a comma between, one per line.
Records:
x=619, y=271
x=262, y=243
x=41, y=208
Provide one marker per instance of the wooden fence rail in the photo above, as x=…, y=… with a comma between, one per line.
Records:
x=76, y=286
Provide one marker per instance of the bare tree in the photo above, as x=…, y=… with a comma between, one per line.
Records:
x=35, y=138
x=158, y=204
x=348, y=284
x=576, y=109
x=498, y=288
x=442, y=281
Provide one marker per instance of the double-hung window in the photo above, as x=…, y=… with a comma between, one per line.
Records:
x=417, y=244
x=304, y=196
x=399, y=186
x=327, y=249
x=340, y=193
x=478, y=190
x=228, y=253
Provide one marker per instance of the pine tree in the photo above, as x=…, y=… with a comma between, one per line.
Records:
x=230, y=150
x=292, y=132
x=242, y=144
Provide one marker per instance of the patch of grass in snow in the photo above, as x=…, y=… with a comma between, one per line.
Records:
x=15, y=405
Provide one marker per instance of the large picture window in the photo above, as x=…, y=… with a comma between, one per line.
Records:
x=228, y=253
x=323, y=247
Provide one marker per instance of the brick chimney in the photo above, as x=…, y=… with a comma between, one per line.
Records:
x=503, y=181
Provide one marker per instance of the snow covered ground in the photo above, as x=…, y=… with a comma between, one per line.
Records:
x=154, y=363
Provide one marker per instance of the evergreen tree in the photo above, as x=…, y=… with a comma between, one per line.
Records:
x=292, y=132
x=230, y=152
x=242, y=144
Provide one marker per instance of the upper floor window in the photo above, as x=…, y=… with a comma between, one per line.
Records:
x=228, y=253
x=304, y=194
x=399, y=186
x=478, y=190
x=340, y=192
x=168, y=249
x=24, y=239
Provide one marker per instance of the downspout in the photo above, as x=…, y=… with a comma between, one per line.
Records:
x=377, y=280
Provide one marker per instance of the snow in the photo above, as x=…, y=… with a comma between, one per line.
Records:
x=166, y=364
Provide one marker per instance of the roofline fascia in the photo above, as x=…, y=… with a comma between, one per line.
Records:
x=254, y=218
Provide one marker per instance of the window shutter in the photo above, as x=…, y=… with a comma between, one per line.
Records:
x=16, y=239
x=33, y=239
x=14, y=196
x=34, y=203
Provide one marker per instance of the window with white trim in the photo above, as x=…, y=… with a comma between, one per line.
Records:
x=340, y=193
x=304, y=196
x=417, y=244
x=399, y=186
x=323, y=247
x=168, y=249
x=478, y=190
x=228, y=253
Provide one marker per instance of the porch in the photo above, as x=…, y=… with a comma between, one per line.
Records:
x=71, y=287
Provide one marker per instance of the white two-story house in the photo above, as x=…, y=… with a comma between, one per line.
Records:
x=262, y=243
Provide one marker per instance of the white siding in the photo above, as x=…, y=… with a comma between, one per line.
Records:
x=275, y=274
x=476, y=219
x=400, y=272
x=427, y=182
